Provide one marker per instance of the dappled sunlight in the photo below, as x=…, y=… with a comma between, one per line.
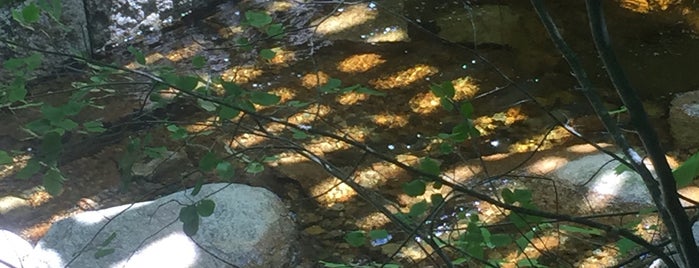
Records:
x=360, y=63
x=282, y=57
x=585, y=148
x=465, y=88
x=350, y=17
x=424, y=103
x=547, y=164
x=539, y=245
x=170, y=246
x=374, y=220
x=310, y=114
x=355, y=133
x=201, y=126
x=285, y=94
x=241, y=74
x=646, y=6
x=331, y=191
x=311, y=81
x=184, y=53
x=19, y=161
x=390, y=120
x=404, y=78
x=462, y=173
x=351, y=98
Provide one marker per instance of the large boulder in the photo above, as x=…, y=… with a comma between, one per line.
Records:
x=684, y=119
x=249, y=227
x=14, y=250
x=67, y=37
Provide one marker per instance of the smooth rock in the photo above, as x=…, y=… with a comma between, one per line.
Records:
x=13, y=250
x=598, y=174
x=249, y=227
x=684, y=119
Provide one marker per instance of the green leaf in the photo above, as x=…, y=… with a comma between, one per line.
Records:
x=33, y=166
x=685, y=173
x=243, y=43
x=140, y=58
x=430, y=166
x=446, y=148
x=267, y=54
x=198, y=62
x=444, y=90
x=264, y=98
x=275, y=31
x=500, y=240
x=17, y=91
x=190, y=220
x=33, y=61
x=369, y=91
x=575, y=229
x=177, y=133
x=225, y=170
x=101, y=252
x=355, y=238
x=518, y=195
x=94, y=126
x=205, y=207
x=227, y=113
x=186, y=82
x=414, y=188
x=621, y=168
x=197, y=186
x=418, y=209
x=52, y=113
x=232, y=89
x=466, y=109
x=436, y=199
x=30, y=13
x=66, y=124
x=5, y=158
x=208, y=162
x=109, y=239
x=257, y=19
x=297, y=104
x=254, y=168
x=625, y=245
x=53, y=182
x=331, y=85
x=53, y=8
x=51, y=146
x=246, y=105
x=378, y=234
x=298, y=134
x=207, y=105
x=446, y=104
x=155, y=152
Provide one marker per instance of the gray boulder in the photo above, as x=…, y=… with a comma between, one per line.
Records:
x=249, y=227
x=14, y=250
x=684, y=119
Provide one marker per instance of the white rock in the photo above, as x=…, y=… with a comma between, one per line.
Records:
x=684, y=119
x=249, y=228
x=13, y=250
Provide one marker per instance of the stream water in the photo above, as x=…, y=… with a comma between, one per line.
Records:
x=401, y=124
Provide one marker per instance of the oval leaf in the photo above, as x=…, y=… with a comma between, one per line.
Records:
x=264, y=98
x=206, y=207
x=414, y=188
x=355, y=238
